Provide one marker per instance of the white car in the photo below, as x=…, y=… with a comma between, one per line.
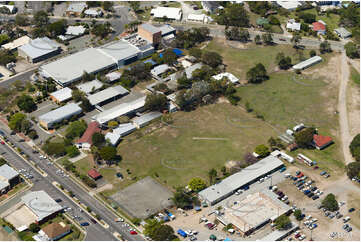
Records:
x=308, y=217
x=302, y=237
x=314, y=220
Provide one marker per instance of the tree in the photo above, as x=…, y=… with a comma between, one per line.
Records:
x=249, y=158
x=262, y=150
x=274, y=21
x=108, y=5
x=25, y=126
x=257, y=39
x=352, y=51
x=296, y=39
x=76, y=129
x=32, y=134
x=134, y=5
x=284, y=62
x=197, y=184
x=21, y=20
x=86, y=105
x=57, y=28
x=196, y=52
x=325, y=47
x=169, y=57
x=77, y=95
x=212, y=174
x=283, y=222
x=257, y=74
x=113, y=124
x=236, y=33
x=54, y=149
x=158, y=231
x=15, y=121
x=108, y=153
x=33, y=227
x=233, y=15
x=309, y=18
x=267, y=38
x=6, y=57
x=72, y=151
x=4, y=38
x=101, y=30
x=304, y=137
x=98, y=139
x=156, y=102
x=93, y=4
x=41, y=19
x=330, y=202
x=182, y=199
x=213, y=59
x=2, y=161
x=298, y=214
x=355, y=147
x=353, y=169
x=312, y=53
x=26, y=103
x=350, y=16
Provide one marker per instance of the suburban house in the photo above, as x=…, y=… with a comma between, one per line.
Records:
x=75, y=9
x=170, y=13
x=293, y=25
x=94, y=13
x=321, y=142
x=53, y=232
x=61, y=95
x=210, y=6
x=15, y=44
x=289, y=5
x=94, y=174
x=228, y=75
x=343, y=33
x=85, y=142
x=39, y=49
x=72, y=32
x=47, y=120
x=8, y=178
x=319, y=27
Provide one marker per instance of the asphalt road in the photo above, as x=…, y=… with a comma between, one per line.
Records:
x=96, y=232
x=24, y=76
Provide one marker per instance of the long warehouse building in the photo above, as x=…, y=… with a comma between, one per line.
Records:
x=93, y=60
x=248, y=175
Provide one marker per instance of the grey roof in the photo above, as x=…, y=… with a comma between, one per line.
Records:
x=166, y=29
x=62, y=94
x=8, y=172
x=159, y=69
x=61, y=113
x=279, y=234
x=227, y=186
x=75, y=30
x=112, y=76
x=107, y=94
x=39, y=47
x=307, y=62
x=3, y=184
x=41, y=204
x=119, y=110
x=120, y=131
x=72, y=67
x=189, y=70
x=93, y=12
x=119, y=50
x=88, y=87
x=77, y=7
x=150, y=28
x=146, y=118
x=344, y=33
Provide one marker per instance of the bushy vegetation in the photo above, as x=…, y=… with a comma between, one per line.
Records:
x=330, y=202
x=76, y=129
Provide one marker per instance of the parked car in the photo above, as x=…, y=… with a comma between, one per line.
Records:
x=93, y=220
x=84, y=224
x=322, y=173
x=351, y=210
x=133, y=232
x=315, y=197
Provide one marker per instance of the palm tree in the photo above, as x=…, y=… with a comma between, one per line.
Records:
x=212, y=174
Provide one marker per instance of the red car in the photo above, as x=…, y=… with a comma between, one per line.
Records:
x=2, y=142
x=315, y=168
x=133, y=232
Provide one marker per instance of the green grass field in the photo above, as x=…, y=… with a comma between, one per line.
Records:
x=355, y=76
x=84, y=165
x=174, y=157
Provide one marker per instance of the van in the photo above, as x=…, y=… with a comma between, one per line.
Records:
x=346, y=219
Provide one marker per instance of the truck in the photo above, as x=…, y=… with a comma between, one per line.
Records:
x=182, y=233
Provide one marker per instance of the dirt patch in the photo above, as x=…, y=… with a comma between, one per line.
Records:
x=353, y=201
x=4, y=236
x=107, y=186
x=353, y=107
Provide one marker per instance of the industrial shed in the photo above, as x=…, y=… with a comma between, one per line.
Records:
x=143, y=120
x=170, y=13
x=13, y=45
x=61, y=95
x=248, y=175
x=39, y=49
x=89, y=87
x=47, y=120
x=307, y=63
x=120, y=110
x=109, y=94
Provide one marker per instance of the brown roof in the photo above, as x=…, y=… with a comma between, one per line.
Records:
x=94, y=174
x=54, y=230
x=321, y=141
x=93, y=127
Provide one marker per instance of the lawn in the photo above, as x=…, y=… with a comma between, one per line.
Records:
x=173, y=156
x=84, y=165
x=355, y=76
x=239, y=61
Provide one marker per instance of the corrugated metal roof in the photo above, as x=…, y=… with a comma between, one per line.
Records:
x=7, y=172
x=17, y=43
x=88, y=87
x=41, y=204
x=150, y=28
x=159, y=69
x=77, y=7
x=107, y=94
x=75, y=30
x=146, y=118
x=279, y=234
x=120, y=131
x=171, y=13
x=119, y=110
x=307, y=62
x=119, y=50
x=227, y=186
x=60, y=113
x=62, y=94
x=189, y=70
x=166, y=29
x=230, y=77
x=39, y=47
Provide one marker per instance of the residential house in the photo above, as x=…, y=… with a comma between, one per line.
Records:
x=75, y=8
x=85, y=142
x=293, y=25
x=321, y=142
x=54, y=231
x=343, y=33
x=319, y=27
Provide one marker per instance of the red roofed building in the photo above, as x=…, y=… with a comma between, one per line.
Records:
x=86, y=140
x=319, y=27
x=94, y=174
x=321, y=142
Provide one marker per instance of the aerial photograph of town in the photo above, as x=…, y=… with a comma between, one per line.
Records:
x=180, y=120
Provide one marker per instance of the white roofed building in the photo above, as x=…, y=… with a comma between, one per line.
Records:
x=307, y=63
x=47, y=120
x=119, y=132
x=75, y=30
x=230, y=77
x=89, y=87
x=13, y=45
x=113, y=76
x=143, y=120
x=93, y=12
x=289, y=5
x=106, y=95
x=8, y=178
x=293, y=25
x=170, y=13
x=61, y=95
x=39, y=49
